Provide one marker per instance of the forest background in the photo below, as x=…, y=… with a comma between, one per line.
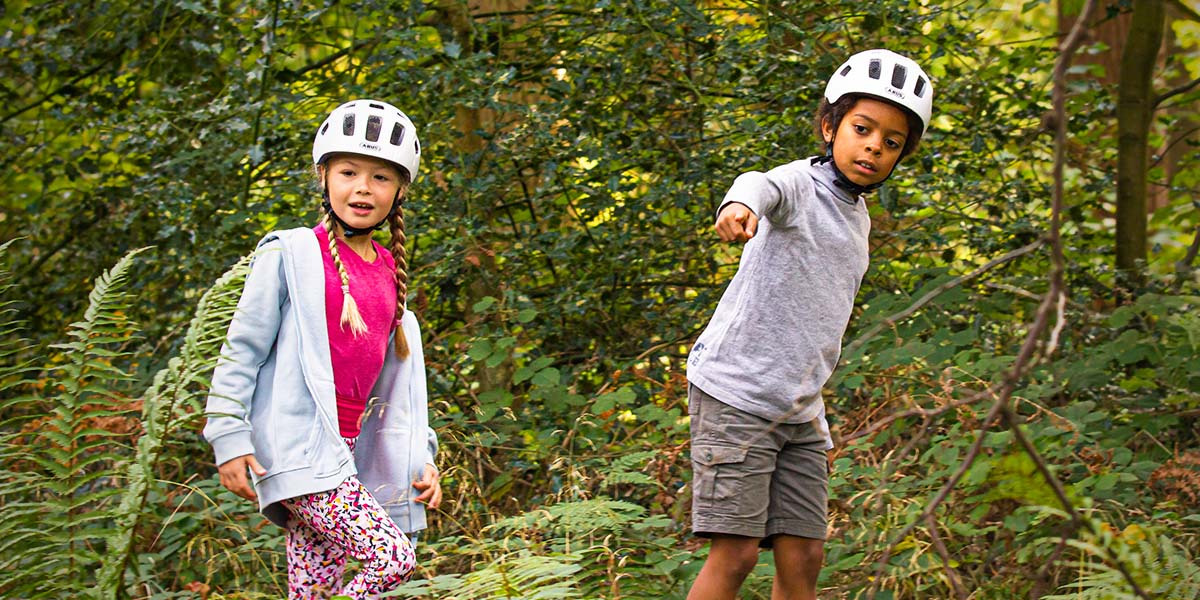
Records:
x=1015, y=412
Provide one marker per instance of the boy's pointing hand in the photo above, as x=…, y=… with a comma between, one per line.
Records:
x=736, y=222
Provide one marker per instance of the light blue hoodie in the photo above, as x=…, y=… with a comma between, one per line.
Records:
x=272, y=393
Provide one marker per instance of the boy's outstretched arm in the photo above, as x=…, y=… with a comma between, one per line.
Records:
x=736, y=222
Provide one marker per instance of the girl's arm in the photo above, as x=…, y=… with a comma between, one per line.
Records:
x=418, y=387
x=428, y=483
x=431, y=446
x=251, y=337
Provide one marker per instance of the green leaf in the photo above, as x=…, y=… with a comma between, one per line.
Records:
x=480, y=350
x=546, y=377
x=483, y=304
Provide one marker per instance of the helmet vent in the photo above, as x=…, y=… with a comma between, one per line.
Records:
x=325, y=128
x=874, y=69
x=845, y=71
x=348, y=124
x=899, y=74
x=378, y=106
x=919, y=89
x=397, y=134
x=417, y=146
x=374, y=124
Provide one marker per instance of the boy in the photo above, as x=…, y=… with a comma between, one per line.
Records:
x=759, y=434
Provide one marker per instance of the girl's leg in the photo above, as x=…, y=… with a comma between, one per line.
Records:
x=315, y=565
x=351, y=518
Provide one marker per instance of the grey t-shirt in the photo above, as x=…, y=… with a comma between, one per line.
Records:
x=777, y=332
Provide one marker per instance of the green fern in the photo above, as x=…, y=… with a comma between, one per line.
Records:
x=571, y=519
x=520, y=574
x=626, y=469
x=13, y=374
x=175, y=397
x=59, y=448
x=1162, y=568
x=590, y=548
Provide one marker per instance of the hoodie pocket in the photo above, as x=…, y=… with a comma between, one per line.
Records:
x=325, y=452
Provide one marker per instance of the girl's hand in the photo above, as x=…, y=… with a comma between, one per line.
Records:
x=431, y=488
x=736, y=222
x=233, y=475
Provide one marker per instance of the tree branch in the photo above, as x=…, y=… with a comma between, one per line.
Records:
x=1185, y=10
x=1051, y=304
x=939, y=290
x=940, y=547
x=1183, y=266
x=1175, y=92
x=1179, y=139
x=58, y=90
x=287, y=75
x=1061, y=493
x=942, y=494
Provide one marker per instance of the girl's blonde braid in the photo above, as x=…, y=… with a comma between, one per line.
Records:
x=350, y=314
x=400, y=255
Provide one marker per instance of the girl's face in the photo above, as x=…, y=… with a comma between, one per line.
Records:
x=361, y=188
x=868, y=141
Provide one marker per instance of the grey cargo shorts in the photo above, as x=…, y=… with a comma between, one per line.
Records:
x=753, y=477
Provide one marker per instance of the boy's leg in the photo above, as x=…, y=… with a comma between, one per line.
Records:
x=733, y=458
x=797, y=565
x=797, y=525
x=730, y=560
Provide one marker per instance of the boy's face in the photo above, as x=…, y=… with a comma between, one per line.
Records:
x=361, y=188
x=867, y=143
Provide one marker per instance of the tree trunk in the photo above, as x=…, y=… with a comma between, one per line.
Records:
x=1135, y=107
x=470, y=121
x=1176, y=139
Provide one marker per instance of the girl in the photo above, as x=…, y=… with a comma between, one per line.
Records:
x=330, y=416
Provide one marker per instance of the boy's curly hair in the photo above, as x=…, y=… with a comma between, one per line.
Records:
x=834, y=112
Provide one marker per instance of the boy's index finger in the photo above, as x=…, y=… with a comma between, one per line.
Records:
x=728, y=230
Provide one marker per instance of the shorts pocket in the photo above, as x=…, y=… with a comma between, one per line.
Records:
x=719, y=472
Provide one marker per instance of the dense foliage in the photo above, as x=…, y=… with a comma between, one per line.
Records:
x=562, y=262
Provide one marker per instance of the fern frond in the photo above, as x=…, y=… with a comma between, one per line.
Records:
x=13, y=373
x=626, y=469
x=103, y=322
x=57, y=467
x=516, y=575
x=1161, y=567
x=578, y=517
x=165, y=405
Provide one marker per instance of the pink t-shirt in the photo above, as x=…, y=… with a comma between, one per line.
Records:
x=357, y=360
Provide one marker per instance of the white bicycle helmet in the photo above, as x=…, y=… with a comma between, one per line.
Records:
x=887, y=76
x=370, y=128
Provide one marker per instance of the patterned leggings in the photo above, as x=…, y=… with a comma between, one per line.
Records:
x=323, y=528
